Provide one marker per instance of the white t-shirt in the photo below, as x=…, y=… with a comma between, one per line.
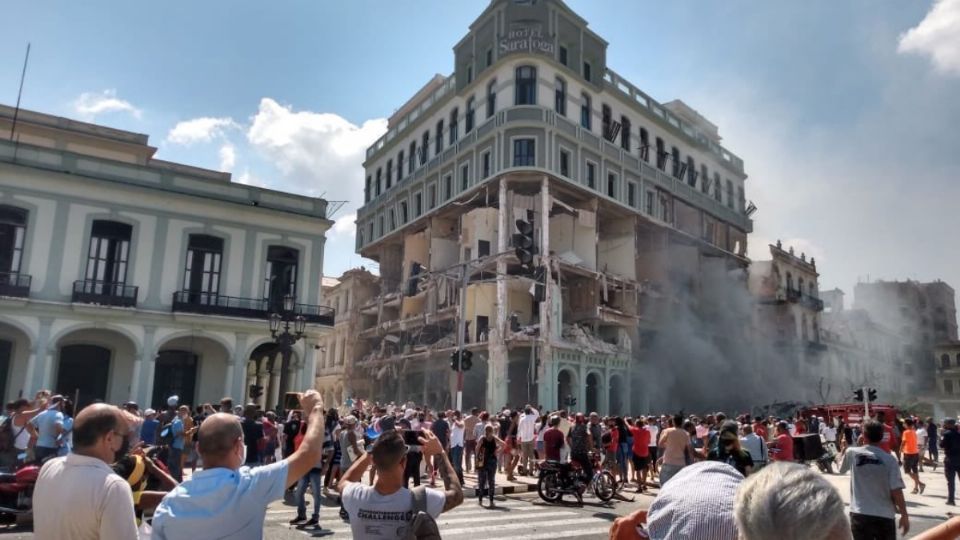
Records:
x=456, y=435
x=654, y=431
x=526, y=429
x=376, y=516
x=921, y=438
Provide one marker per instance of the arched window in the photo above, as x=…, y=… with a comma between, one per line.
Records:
x=644, y=145
x=379, y=184
x=560, y=97
x=789, y=281
x=13, y=227
x=425, y=147
x=661, y=155
x=412, y=162
x=945, y=361
x=526, y=86
x=729, y=194
x=625, y=128
x=468, y=122
x=585, y=111
x=438, y=140
x=389, y=173
x=400, y=166
x=454, y=125
x=491, y=98
x=800, y=285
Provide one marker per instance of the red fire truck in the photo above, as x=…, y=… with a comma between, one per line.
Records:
x=850, y=413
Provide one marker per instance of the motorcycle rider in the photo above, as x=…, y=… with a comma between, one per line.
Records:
x=581, y=443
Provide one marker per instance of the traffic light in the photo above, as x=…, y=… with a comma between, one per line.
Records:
x=467, y=361
x=523, y=242
x=256, y=391
x=455, y=360
x=872, y=394
x=858, y=394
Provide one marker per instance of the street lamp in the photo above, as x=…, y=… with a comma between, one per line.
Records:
x=285, y=339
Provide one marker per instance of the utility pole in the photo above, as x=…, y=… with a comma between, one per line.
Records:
x=866, y=405
x=461, y=329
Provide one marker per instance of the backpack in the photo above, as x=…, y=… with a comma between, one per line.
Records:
x=421, y=526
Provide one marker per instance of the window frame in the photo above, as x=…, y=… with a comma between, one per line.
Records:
x=525, y=87
x=560, y=96
x=515, y=143
x=586, y=111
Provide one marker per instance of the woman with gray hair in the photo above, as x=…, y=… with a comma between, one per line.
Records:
x=787, y=501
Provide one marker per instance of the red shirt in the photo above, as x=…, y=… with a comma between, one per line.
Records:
x=889, y=439
x=760, y=430
x=552, y=443
x=784, y=443
x=614, y=441
x=641, y=441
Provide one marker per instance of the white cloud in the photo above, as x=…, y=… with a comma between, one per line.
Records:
x=91, y=104
x=316, y=153
x=204, y=129
x=937, y=36
x=228, y=157
x=345, y=226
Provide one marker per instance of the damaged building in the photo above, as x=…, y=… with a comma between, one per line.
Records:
x=569, y=216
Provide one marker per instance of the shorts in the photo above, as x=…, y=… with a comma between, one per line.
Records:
x=640, y=462
x=654, y=453
x=911, y=463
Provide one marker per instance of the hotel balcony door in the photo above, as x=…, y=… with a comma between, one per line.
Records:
x=85, y=368
x=281, y=275
x=175, y=375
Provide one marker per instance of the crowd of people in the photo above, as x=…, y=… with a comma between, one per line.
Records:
x=127, y=466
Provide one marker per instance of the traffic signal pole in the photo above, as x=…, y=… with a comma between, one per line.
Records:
x=461, y=329
x=866, y=404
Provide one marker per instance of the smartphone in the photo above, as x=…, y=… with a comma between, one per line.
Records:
x=291, y=401
x=412, y=437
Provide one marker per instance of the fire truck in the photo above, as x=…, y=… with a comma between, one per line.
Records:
x=850, y=413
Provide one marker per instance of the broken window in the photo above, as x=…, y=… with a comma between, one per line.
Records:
x=625, y=133
x=644, y=145
x=585, y=120
x=438, y=143
x=483, y=327
x=560, y=97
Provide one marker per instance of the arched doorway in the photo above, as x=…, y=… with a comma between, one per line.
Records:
x=617, y=404
x=14, y=356
x=593, y=392
x=83, y=373
x=565, y=388
x=193, y=368
x=176, y=375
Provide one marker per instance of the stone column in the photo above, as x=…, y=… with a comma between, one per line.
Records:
x=496, y=394
x=40, y=364
x=236, y=374
x=274, y=393
x=139, y=391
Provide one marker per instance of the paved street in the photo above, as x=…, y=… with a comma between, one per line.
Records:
x=525, y=516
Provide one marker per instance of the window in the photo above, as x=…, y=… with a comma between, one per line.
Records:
x=675, y=158
x=587, y=71
x=563, y=55
x=418, y=204
x=644, y=145
x=454, y=125
x=468, y=127
x=648, y=207
x=729, y=194
x=201, y=275
x=489, y=57
x=13, y=226
x=393, y=220
x=661, y=155
x=403, y=212
x=380, y=225
x=560, y=98
x=370, y=230
x=425, y=148
x=400, y=166
x=625, y=133
x=612, y=185
x=491, y=98
x=585, y=114
x=485, y=160
x=948, y=386
x=691, y=172
x=438, y=142
x=366, y=189
x=389, y=173
x=704, y=179
x=606, y=118
x=632, y=194
x=469, y=74
x=524, y=152
x=564, y=163
x=379, y=181
x=432, y=196
x=665, y=208
x=591, y=175
x=741, y=199
x=281, y=276
x=526, y=86
x=717, y=188
x=464, y=177
x=447, y=186
x=413, y=152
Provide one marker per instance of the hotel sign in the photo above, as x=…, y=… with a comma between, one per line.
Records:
x=526, y=37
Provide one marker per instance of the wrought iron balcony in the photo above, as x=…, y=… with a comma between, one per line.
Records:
x=252, y=308
x=105, y=293
x=794, y=295
x=15, y=284
x=813, y=303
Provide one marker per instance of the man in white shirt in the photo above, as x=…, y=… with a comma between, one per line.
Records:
x=526, y=434
x=456, y=443
x=383, y=510
x=79, y=496
x=227, y=499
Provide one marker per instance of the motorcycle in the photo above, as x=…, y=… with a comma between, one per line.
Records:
x=558, y=479
x=16, y=495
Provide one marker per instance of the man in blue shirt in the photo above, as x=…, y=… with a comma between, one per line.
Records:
x=47, y=427
x=176, y=447
x=148, y=431
x=227, y=499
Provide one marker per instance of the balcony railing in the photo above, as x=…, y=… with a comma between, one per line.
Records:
x=252, y=308
x=813, y=303
x=15, y=284
x=88, y=291
x=793, y=295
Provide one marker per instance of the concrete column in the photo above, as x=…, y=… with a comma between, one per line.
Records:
x=582, y=390
x=310, y=353
x=497, y=362
x=236, y=376
x=546, y=307
x=40, y=365
x=251, y=380
x=274, y=394
x=139, y=391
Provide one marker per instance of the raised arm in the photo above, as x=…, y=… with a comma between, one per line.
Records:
x=453, y=489
x=308, y=454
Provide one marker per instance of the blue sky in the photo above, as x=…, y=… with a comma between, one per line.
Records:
x=845, y=112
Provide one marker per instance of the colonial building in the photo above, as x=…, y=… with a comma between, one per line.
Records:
x=622, y=205
x=946, y=393
x=337, y=379
x=124, y=277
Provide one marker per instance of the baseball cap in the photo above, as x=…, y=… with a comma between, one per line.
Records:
x=696, y=504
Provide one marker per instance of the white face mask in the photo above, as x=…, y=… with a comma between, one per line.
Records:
x=243, y=455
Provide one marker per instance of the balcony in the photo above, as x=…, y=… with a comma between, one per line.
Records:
x=250, y=308
x=104, y=293
x=15, y=284
x=794, y=295
x=812, y=302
